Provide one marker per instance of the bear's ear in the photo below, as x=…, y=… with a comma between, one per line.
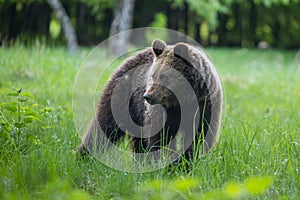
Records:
x=181, y=50
x=158, y=46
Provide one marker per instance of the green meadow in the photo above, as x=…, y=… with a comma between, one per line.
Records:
x=257, y=155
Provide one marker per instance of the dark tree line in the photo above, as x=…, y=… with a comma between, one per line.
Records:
x=220, y=22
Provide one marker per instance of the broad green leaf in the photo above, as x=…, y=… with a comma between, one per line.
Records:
x=234, y=190
x=154, y=185
x=19, y=124
x=26, y=94
x=80, y=195
x=32, y=114
x=12, y=94
x=22, y=99
x=257, y=185
x=47, y=109
x=28, y=119
x=10, y=107
x=34, y=117
x=185, y=184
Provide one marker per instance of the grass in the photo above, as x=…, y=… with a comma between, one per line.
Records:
x=257, y=156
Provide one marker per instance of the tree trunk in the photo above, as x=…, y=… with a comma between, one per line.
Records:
x=122, y=22
x=65, y=23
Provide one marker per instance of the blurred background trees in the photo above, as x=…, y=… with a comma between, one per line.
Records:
x=238, y=23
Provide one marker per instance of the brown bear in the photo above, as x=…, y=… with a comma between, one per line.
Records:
x=157, y=95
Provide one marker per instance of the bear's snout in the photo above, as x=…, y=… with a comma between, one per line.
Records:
x=155, y=99
x=157, y=94
x=148, y=97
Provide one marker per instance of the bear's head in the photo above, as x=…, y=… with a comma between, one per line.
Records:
x=161, y=76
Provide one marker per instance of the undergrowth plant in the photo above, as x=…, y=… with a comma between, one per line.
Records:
x=188, y=188
x=17, y=113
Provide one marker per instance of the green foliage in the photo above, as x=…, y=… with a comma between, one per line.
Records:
x=98, y=7
x=252, y=186
x=269, y=3
x=188, y=188
x=54, y=28
x=206, y=10
x=16, y=115
x=20, y=1
x=61, y=189
x=160, y=21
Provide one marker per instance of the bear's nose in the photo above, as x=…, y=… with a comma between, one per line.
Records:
x=148, y=97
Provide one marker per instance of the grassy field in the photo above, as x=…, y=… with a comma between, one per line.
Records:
x=257, y=156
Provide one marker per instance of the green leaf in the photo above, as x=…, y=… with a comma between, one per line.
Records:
x=234, y=190
x=26, y=94
x=47, y=109
x=154, y=185
x=12, y=94
x=4, y=126
x=28, y=119
x=19, y=124
x=10, y=107
x=157, y=184
x=33, y=117
x=185, y=184
x=31, y=113
x=258, y=185
x=22, y=99
x=79, y=195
